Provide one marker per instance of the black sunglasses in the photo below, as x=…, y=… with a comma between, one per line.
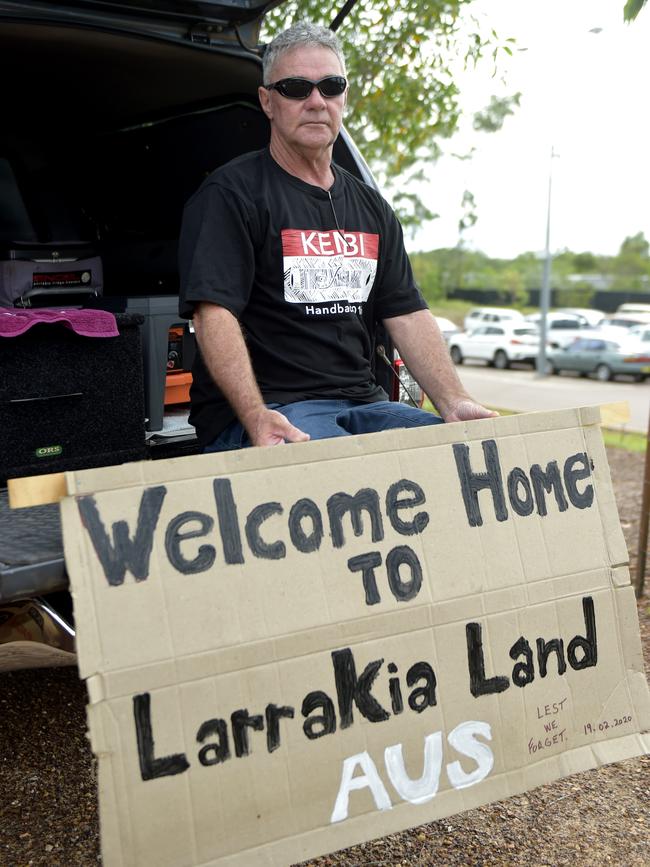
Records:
x=300, y=88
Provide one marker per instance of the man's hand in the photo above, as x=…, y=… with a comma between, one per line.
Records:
x=271, y=428
x=468, y=410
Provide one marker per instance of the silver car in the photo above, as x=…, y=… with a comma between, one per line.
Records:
x=605, y=359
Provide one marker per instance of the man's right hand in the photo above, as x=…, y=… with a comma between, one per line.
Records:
x=271, y=428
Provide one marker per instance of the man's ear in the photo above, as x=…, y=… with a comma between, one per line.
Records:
x=264, y=97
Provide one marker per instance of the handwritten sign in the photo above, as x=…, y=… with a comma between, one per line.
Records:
x=291, y=650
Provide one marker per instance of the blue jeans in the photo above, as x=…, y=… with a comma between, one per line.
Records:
x=322, y=419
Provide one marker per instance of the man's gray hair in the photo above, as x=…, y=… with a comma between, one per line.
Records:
x=300, y=35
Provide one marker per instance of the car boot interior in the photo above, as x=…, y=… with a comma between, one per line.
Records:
x=109, y=135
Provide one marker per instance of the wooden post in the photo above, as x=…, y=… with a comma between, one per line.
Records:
x=643, y=526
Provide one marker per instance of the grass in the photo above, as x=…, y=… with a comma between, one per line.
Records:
x=631, y=441
x=628, y=440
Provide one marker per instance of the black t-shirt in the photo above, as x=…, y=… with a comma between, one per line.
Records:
x=307, y=273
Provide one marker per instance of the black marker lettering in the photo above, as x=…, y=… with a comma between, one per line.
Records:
x=471, y=483
x=339, y=504
x=544, y=650
x=150, y=767
x=228, y=521
x=573, y=474
x=424, y=696
x=547, y=480
x=241, y=721
x=214, y=753
x=403, y=591
x=478, y=683
x=273, y=716
x=395, y=690
x=366, y=564
x=124, y=553
x=321, y=724
x=173, y=538
x=305, y=509
x=517, y=479
x=350, y=689
x=267, y=550
x=524, y=672
x=394, y=505
x=588, y=645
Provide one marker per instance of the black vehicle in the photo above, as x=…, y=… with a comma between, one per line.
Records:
x=114, y=112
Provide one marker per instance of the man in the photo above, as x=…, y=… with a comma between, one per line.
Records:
x=287, y=263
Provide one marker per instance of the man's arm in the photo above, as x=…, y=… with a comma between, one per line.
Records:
x=424, y=351
x=224, y=352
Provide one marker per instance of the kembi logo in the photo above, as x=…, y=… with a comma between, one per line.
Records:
x=326, y=267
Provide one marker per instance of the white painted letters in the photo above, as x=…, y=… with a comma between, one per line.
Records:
x=463, y=739
x=425, y=788
x=370, y=779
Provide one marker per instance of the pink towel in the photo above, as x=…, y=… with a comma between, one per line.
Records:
x=87, y=323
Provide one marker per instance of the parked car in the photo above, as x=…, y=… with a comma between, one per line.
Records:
x=619, y=325
x=447, y=327
x=499, y=344
x=483, y=315
x=605, y=359
x=633, y=307
x=586, y=314
x=561, y=328
x=640, y=333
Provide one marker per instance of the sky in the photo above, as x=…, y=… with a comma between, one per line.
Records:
x=584, y=94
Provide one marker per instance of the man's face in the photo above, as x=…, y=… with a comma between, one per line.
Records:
x=304, y=125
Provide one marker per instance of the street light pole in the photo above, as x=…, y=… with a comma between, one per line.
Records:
x=545, y=294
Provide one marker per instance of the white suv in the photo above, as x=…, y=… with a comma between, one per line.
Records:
x=499, y=344
x=484, y=315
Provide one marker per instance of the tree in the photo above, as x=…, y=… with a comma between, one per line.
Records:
x=631, y=268
x=632, y=9
x=403, y=99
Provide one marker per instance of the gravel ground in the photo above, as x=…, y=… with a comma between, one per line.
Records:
x=48, y=809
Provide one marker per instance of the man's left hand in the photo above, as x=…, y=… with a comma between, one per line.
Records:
x=468, y=410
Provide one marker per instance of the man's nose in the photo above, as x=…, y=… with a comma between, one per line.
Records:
x=316, y=99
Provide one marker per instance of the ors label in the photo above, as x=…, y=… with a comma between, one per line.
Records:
x=48, y=451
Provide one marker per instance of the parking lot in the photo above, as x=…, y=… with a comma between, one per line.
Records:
x=522, y=390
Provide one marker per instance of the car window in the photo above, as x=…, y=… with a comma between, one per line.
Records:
x=495, y=330
x=564, y=323
x=529, y=330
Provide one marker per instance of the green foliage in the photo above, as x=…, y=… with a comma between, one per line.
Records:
x=632, y=9
x=631, y=268
x=585, y=263
x=579, y=295
x=403, y=99
x=492, y=118
x=447, y=269
x=510, y=284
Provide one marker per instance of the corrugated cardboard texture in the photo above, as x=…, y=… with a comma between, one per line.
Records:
x=291, y=650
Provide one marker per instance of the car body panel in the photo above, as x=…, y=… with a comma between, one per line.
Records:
x=484, y=315
x=586, y=355
x=561, y=328
x=587, y=314
x=518, y=342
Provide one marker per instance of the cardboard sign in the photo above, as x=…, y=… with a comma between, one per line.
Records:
x=294, y=649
